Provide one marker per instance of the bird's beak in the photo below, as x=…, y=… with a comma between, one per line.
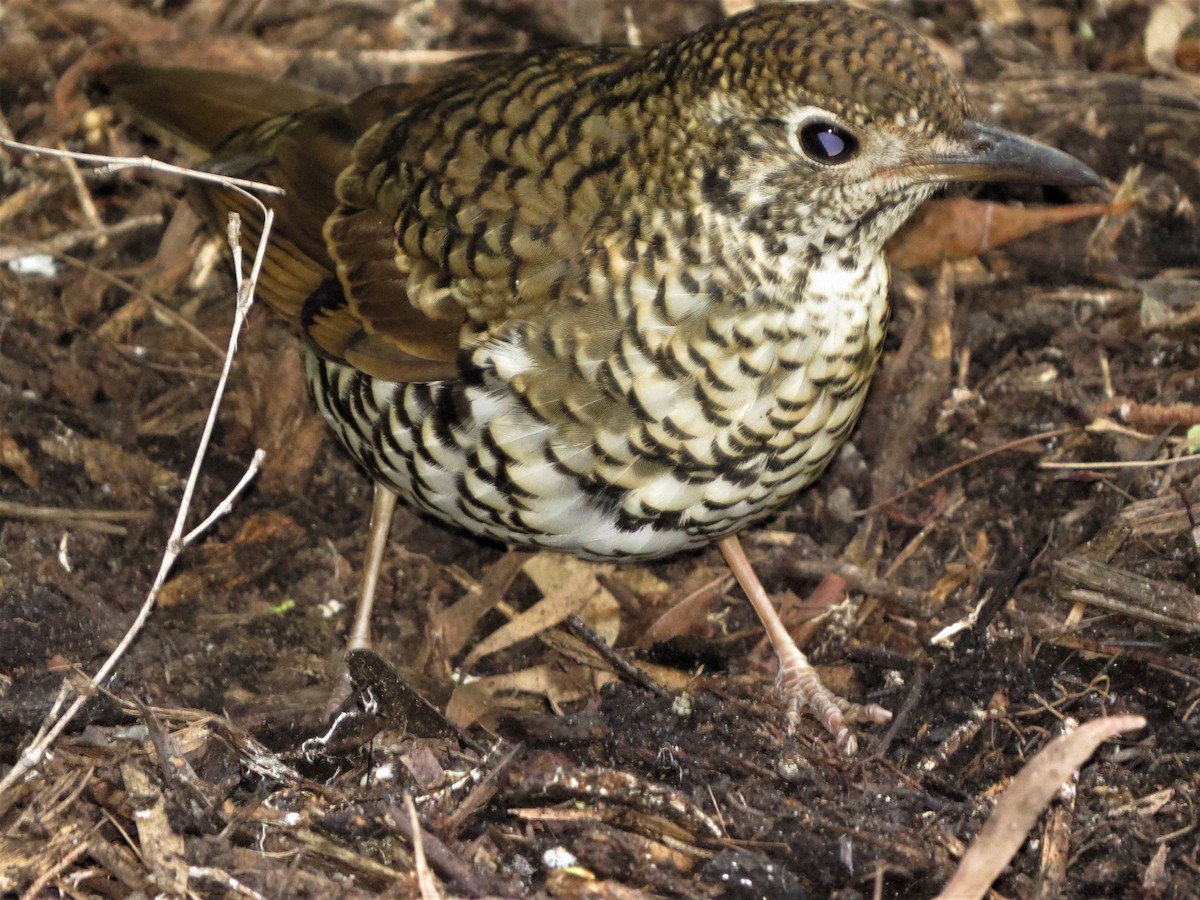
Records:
x=993, y=154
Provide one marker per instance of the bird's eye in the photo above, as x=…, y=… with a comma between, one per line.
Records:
x=826, y=142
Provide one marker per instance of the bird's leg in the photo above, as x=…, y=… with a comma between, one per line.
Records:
x=382, y=509
x=798, y=681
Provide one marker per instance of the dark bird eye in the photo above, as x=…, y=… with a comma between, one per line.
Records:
x=828, y=143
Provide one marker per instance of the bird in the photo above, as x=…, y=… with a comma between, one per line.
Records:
x=616, y=302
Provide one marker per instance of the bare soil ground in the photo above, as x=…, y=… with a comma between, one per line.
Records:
x=197, y=770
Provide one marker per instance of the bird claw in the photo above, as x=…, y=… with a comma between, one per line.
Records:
x=801, y=687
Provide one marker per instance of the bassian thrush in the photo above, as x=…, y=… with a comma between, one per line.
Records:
x=610, y=301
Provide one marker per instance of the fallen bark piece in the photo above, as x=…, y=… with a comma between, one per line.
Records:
x=1024, y=800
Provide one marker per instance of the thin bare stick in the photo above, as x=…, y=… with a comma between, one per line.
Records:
x=67, y=239
x=82, y=194
x=56, y=246
x=224, y=507
x=978, y=457
x=413, y=57
x=428, y=886
x=66, y=514
x=34, y=753
x=1121, y=464
x=105, y=164
x=225, y=880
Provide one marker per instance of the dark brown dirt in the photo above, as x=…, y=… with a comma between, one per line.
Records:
x=1086, y=580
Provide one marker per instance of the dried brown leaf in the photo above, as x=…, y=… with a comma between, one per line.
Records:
x=14, y=458
x=958, y=228
x=1164, y=30
x=569, y=585
x=690, y=614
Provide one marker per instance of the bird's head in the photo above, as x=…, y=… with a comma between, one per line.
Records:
x=825, y=113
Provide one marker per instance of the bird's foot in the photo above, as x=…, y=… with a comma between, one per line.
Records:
x=798, y=682
x=800, y=686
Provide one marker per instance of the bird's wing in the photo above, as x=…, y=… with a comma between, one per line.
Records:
x=470, y=205
x=412, y=211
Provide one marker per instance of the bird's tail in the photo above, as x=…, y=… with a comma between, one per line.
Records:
x=264, y=130
x=203, y=108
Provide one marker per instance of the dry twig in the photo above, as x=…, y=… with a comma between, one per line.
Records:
x=33, y=754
